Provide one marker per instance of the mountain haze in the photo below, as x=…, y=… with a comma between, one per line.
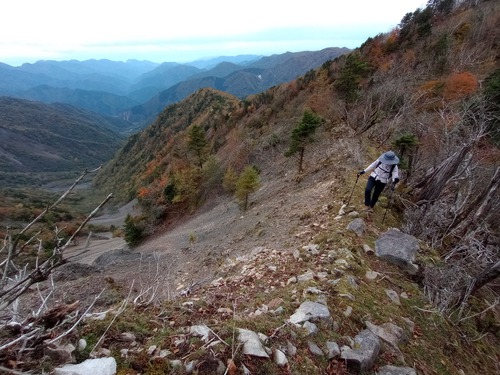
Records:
x=137, y=91
x=40, y=139
x=249, y=79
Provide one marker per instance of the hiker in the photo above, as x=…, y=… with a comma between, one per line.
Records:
x=384, y=168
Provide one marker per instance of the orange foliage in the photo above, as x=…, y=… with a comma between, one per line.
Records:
x=454, y=87
x=143, y=192
x=459, y=85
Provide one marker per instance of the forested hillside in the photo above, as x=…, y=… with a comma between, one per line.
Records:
x=40, y=141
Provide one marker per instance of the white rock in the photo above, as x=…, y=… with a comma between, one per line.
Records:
x=348, y=311
x=101, y=366
x=280, y=358
x=309, y=275
x=151, y=350
x=309, y=310
x=251, y=343
x=200, y=331
x=310, y=328
x=82, y=344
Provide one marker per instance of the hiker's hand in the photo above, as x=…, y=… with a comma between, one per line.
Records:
x=361, y=172
x=396, y=180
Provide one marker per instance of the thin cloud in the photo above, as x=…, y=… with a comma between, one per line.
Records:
x=174, y=31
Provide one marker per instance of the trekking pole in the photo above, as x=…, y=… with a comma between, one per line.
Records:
x=389, y=203
x=349, y=201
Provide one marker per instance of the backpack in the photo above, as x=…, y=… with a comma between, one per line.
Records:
x=390, y=171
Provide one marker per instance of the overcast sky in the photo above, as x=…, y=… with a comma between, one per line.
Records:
x=186, y=30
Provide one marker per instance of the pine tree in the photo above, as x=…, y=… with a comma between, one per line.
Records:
x=302, y=134
x=198, y=143
x=248, y=182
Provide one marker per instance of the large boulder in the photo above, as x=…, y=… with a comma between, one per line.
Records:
x=399, y=248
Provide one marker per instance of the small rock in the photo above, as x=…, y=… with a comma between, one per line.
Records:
x=314, y=349
x=342, y=263
x=393, y=370
x=313, y=290
x=348, y=311
x=280, y=358
x=82, y=344
x=176, y=363
x=151, y=350
x=309, y=275
x=371, y=275
x=127, y=337
x=251, y=343
x=190, y=366
x=200, y=331
x=348, y=295
x=364, y=352
x=245, y=370
x=310, y=328
x=224, y=310
x=342, y=211
x=290, y=348
x=312, y=249
x=164, y=353
x=357, y=226
x=310, y=310
x=280, y=310
x=393, y=296
x=333, y=349
x=217, y=282
x=101, y=366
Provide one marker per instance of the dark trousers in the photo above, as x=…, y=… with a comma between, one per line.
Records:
x=372, y=191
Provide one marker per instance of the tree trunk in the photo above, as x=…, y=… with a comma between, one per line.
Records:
x=487, y=276
x=483, y=200
x=301, y=158
x=434, y=181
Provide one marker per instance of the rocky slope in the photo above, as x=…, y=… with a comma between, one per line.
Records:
x=234, y=278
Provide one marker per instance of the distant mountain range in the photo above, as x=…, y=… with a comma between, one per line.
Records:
x=42, y=139
x=137, y=91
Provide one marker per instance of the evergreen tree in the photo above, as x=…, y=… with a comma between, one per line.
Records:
x=302, y=134
x=197, y=143
x=133, y=232
x=248, y=182
x=406, y=144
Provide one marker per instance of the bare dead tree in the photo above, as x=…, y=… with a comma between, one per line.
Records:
x=28, y=330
